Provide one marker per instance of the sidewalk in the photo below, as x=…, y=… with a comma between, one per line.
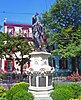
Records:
x=7, y=85
x=43, y=98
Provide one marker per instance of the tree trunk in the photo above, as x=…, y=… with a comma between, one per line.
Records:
x=75, y=65
x=21, y=69
x=21, y=79
x=21, y=76
x=21, y=64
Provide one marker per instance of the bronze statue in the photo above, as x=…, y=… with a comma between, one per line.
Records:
x=38, y=32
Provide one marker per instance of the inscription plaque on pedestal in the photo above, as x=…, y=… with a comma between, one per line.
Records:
x=33, y=81
x=42, y=81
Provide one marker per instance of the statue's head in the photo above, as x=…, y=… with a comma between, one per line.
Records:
x=36, y=14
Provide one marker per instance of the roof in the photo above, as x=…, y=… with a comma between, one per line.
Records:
x=17, y=24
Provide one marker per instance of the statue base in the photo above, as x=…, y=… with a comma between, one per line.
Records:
x=41, y=92
x=40, y=77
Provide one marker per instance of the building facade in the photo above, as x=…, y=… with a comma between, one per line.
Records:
x=25, y=30
x=64, y=66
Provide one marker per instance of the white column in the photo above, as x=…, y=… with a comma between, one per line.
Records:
x=37, y=81
x=46, y=81
x=29, y=80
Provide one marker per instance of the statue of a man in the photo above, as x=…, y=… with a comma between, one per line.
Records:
x=37, y=32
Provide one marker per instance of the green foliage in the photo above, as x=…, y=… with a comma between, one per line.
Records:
x=2, y=75
x=2, y=46
x=63, y=24
x=79, y=98
x=56, y=85
x=19, y=91
x=66, y=91
x=3, y=97
x=62, y=13
x=21, y=45
x=73, y=99
x=61, y=94
x=10, y=44
x=76, y=90
x=68, y=42
x=2, y=91
x=24, y=95
x=21, y=85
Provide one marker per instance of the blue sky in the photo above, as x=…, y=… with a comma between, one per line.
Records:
x=14, y=10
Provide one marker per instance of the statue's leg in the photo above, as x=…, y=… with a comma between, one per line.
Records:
x=36, y=41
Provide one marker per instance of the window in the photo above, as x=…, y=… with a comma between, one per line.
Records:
x=63, y=64
x=10, y=32
x=26, y=33
x=9, y=65
x=51, y=61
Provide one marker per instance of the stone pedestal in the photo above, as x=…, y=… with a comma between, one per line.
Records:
x=40, y=77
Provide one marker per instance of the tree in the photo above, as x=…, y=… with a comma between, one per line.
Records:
x=62, y=13
x=4, y=44
x=15, y=46
x=63, y=23
x=20, y=47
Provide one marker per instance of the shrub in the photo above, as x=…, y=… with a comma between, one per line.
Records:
x=24, y=95
x=2, y=91
x=76, y=89
x=73, y=99
x=67, y=91
x=74, y=77
x=79, y=98
x=61, y=94
x=19, y=91
x=55, y=85
x=21, y=85
x=3, y=97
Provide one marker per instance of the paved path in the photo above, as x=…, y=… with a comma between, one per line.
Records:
x=43, y=98
x=6, y=85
